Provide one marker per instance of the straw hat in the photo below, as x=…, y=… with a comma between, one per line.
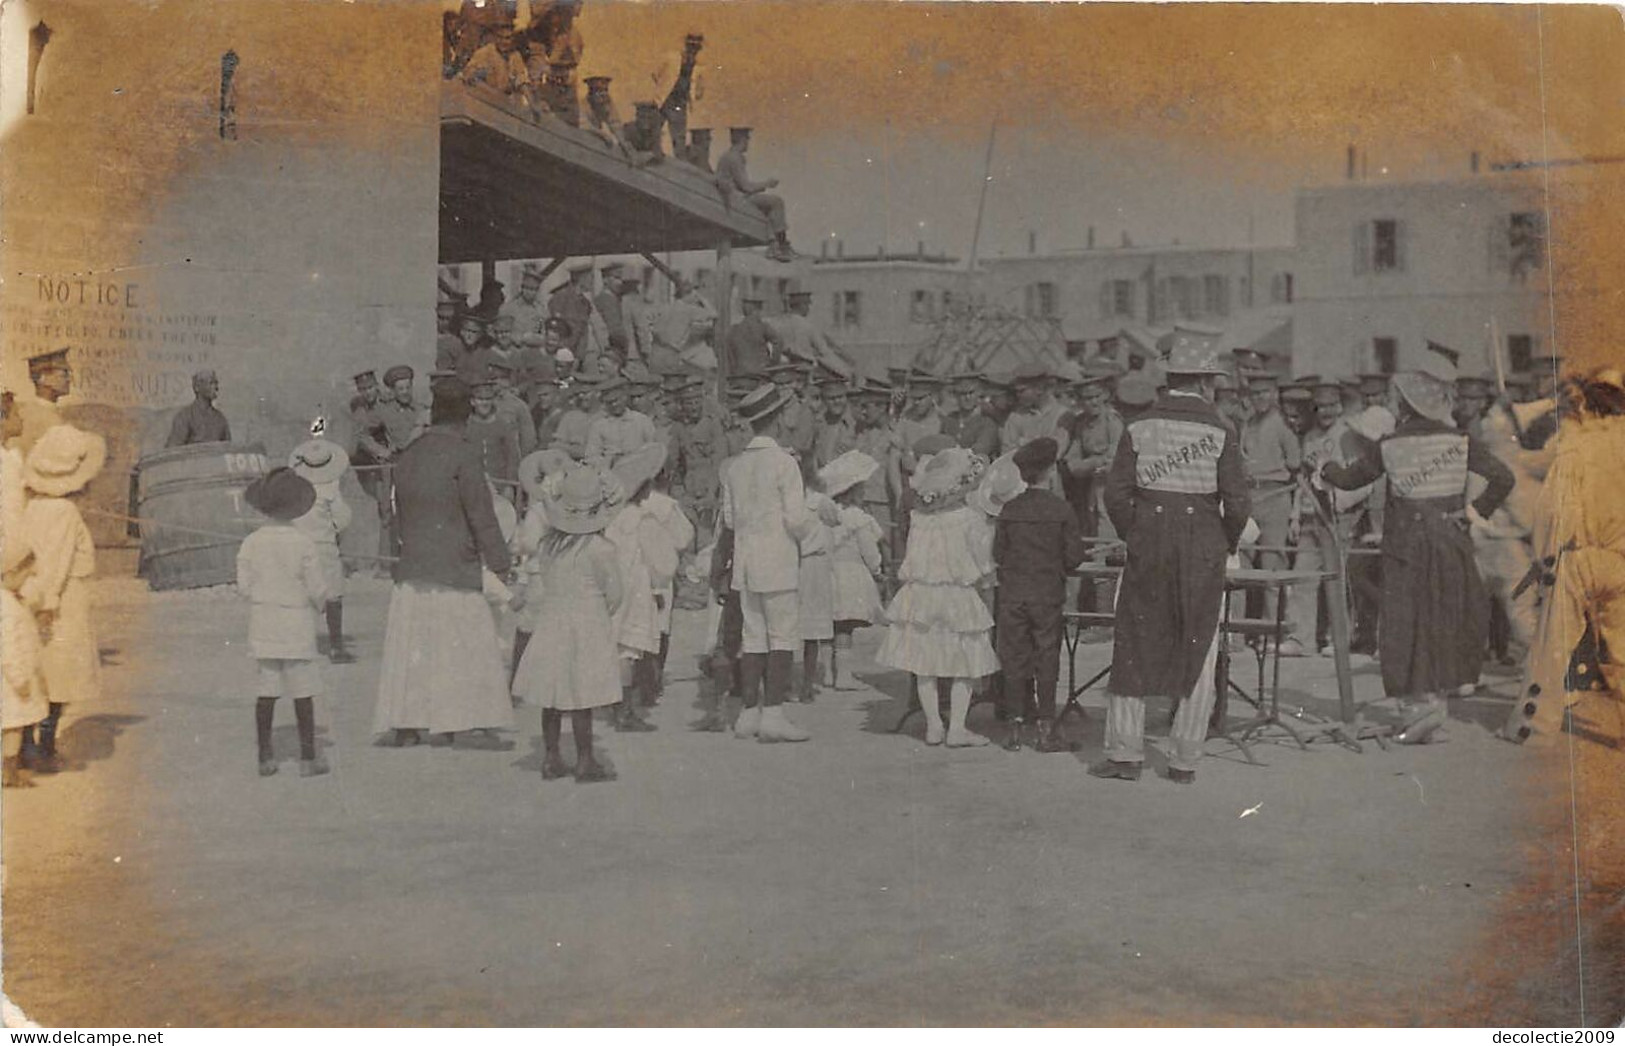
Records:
x=584, y=501
x=640, y=466
x=281, y=494
x=942, y=480
x=538, y=466
x=1000, y=485
x=1427, y=395
x=846, y=472
x=64, y=460
x=761, y=402
x=319, y=460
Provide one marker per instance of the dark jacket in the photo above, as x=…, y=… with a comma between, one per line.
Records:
x=444, y=509
x=1036, y=544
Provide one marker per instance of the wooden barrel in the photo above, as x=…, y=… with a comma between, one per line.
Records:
x=199, y=490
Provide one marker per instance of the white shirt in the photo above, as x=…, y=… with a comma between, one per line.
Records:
x=765, y=504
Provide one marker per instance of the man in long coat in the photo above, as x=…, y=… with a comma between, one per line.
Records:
x=1178, y=492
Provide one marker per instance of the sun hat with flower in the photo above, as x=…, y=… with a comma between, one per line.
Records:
x=847, y=471
x=942, y=481
x=1000, y=485
x=584, y=501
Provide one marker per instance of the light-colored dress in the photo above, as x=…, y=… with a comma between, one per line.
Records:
x=641, y=551
x=855, y=558
x=939, y=625
x=323, y=523
x=571, y=660
x=64, y=560
x=663, y=512
x=24, y=701
x=817, y=593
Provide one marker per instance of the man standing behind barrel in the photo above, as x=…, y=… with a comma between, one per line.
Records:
x=1178, y=492
x=200, y=421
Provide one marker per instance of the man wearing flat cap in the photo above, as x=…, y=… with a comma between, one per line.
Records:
x=400, y=413
x=619, y=430
x=1038, y=413
x=836, y=432
x=971, y=424
x=798, y=429
x=1178, y=489
x=751, y=346
x=528, y=310
x=702, y=444
x=200, y=421
x=573, y=304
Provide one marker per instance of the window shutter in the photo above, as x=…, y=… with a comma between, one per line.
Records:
x=1401, y=238
x=1362, y=248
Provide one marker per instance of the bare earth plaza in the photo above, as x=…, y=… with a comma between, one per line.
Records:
x=584, y=513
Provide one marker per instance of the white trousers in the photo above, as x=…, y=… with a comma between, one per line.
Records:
x=772, y=621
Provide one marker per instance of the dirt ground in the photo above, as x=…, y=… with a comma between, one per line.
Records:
x=859, y=879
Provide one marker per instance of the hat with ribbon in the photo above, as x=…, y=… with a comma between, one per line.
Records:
x=319, y=460
x=584, y=499
x=762, y=401
x=846, y=472
x=281, y=494
x=1000, y=485
x=538, y=466
x=942, y=481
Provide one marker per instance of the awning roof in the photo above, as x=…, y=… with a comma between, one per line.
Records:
x=513, y=188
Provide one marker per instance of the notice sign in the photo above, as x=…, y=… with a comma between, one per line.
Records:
x=124, y=351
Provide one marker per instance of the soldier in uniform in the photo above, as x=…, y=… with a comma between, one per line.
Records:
x=400, y=413
x=751, y=346
x=496, y=437
x=618, y=430
x=798, y=429
x=528, y=310
x=511, y=406
x=576, y=419
x=572, y=304
x=371, y=451
x=921, y=416
x=973, y=425
x=836, y=432
x=873, y=434
x=735, y=184
x=1273, y=455
x=1038, y=413
x=1327, y=523
x=1093, y=434
x=1177, y=485
x=608, y=304
x=702, y=444
x=801, y=337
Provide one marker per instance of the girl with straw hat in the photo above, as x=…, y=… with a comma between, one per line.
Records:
x=648, y=561
x=578, y=592
x=58, y=468
x=323, y=463
x=854, y=555
x=939, y=625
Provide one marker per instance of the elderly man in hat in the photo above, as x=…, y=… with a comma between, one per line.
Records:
x=200, y=421
x=764, y=504
x=1273, y=456
x=751, y=346
x=1435, y=613
x=1037, y=414
x=735, y=185
x=619, y=430
x=1177, y=485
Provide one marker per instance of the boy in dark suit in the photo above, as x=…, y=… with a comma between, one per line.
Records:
x=1037, y=543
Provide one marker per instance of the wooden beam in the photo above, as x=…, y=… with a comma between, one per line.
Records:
x=723, y=295
x=660, y=267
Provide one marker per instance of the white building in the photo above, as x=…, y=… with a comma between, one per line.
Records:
x=1384, y=268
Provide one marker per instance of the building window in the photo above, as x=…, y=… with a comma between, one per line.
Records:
x=1216, y=295
x=848, y=308
x=1386, y=353
x=922, y=307
x=1178, y=298
x=1525, y=243
x=1042, y=301
x=1521, y=352
x=1281, y=288
x=1379, y=246
x=1122, y=298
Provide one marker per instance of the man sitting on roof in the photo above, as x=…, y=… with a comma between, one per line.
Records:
x=734, y=183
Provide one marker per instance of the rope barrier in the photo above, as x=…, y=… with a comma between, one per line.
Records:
x=160, y=524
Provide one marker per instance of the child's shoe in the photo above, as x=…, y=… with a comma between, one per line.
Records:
x=310, y=767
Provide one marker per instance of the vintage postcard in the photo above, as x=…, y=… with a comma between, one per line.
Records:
x=834, y=513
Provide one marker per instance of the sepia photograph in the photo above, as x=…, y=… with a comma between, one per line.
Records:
x=811, y=513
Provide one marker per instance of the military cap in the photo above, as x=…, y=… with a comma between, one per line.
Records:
x=48, y=359
x=365, y=377
x=558, y=325
x=751, y=298
x=1029, y=373
x=611, y=268
x=1293, y=392
x=596, y=83
x=1475, y=386
x=1370, y=384
x=736, y=133
x=966, y=380
x=1260, y=379
x=397, y=372
x=1249, y=359
x=1327, y=392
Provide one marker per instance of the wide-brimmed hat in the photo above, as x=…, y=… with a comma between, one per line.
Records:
x=319, y=460
x=761, y=402
x=1426, y=394
x=935, y=443
x=1192, y=350
x=64, y=460
x=281, y=494
x=846, y=472
x=538, y=465
x=942, y=481
x=1000, y=485
x=639, y=467
x=583, y=501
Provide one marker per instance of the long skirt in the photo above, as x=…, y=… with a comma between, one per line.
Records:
x=571, y=662
x=817, y=602
x=442, y=669
x=1435, y=614
x=70, y=660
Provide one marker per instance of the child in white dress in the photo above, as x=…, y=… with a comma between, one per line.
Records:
x=573, y=597
x=939, y=626
x=647, y=562
x=854, y=554
x=280, y=572
x=323, y=463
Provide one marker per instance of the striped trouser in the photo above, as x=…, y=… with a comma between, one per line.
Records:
x=1125, y=721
